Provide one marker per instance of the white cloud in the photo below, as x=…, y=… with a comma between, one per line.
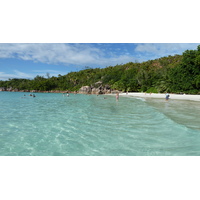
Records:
x=15, y=74
x=75, y=54
x=31, y=75
x=157, y=50
x=5, y=76
x=19, y=74
x=89, y=54
x=50, y=53
x=116, y=60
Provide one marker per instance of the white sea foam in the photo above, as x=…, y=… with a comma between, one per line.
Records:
x=142, y=99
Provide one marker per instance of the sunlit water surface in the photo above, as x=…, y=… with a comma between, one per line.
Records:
x=90, y=125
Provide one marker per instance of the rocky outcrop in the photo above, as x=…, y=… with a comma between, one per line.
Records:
x=96, y=91
x=2, y=89
x=9, y=89
x=97, y=88
x=85, y=90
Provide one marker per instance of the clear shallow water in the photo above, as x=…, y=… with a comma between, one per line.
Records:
x=53, y=125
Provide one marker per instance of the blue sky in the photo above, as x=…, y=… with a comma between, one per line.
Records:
x=27, y=60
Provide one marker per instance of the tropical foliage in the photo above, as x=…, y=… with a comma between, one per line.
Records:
x=177, y=74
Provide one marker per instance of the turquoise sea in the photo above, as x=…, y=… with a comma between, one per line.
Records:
x=89, y=125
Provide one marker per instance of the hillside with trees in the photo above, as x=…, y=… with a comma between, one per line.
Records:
x=174, y=74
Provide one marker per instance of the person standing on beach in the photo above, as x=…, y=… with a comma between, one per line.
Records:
x=117, y=96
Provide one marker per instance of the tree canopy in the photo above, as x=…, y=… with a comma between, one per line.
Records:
x=176, y=74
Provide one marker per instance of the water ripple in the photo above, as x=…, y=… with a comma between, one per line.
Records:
x=53, y=125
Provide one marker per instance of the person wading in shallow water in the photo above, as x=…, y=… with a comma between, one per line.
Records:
x=117, y=96
x=167, y=96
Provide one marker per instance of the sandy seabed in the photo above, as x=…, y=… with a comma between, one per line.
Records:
x=162, y=96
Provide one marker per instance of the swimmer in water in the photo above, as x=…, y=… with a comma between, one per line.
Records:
x=117, y=96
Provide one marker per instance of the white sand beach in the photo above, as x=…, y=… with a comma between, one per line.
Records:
x=162, y=96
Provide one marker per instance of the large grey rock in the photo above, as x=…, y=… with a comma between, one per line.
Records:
x=85, y=90
x=2, y=89
x=97, y=88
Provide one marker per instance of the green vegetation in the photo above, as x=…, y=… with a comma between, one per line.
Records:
x=176, y=74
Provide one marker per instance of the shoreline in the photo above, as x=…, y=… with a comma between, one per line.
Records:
x=130, y=94
x=162, y=96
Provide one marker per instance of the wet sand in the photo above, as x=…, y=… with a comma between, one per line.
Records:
x=162, y=96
